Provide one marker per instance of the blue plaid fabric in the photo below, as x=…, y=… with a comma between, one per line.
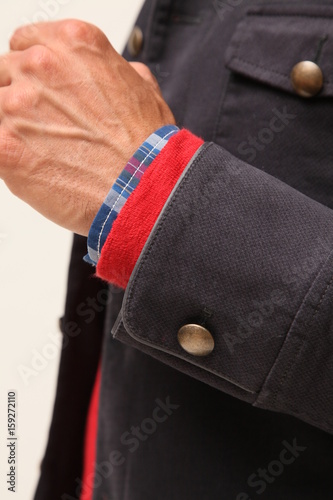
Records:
x=127, y=181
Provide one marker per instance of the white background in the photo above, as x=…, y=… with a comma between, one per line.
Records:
x=34, y=257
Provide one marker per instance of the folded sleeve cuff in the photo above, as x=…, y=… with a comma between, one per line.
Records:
x=136, y=220
x=124, y=186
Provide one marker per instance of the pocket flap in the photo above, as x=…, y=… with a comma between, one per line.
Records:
x=270, y=41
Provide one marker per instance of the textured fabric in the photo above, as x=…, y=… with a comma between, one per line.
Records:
x=127, y=182
x=134, y=224
x=249, y=267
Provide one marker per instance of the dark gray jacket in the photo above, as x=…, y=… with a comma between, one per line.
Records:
x=243, y=245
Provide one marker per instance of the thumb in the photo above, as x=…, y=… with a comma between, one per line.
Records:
x=146, y=74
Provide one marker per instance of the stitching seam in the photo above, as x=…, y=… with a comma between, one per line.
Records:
x=292, y=361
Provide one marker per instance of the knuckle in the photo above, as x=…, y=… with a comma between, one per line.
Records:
x=38, y=58
x=21, y=35
x=12, y=104
x=76, y=30
x=100, y=39
x=79, y=31
x=18, y=99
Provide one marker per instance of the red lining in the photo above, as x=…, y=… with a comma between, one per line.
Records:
x=90, y=442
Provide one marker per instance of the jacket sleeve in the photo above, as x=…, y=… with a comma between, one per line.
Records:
x=225, y=245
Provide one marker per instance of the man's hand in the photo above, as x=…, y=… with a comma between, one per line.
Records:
x=72, y=112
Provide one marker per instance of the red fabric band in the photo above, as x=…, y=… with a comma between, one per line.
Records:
x=136, y=219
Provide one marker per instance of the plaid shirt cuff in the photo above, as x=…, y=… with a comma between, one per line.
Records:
x=126, y=183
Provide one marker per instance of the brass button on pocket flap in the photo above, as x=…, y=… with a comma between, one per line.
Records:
x=287, y=47
x=307, y=78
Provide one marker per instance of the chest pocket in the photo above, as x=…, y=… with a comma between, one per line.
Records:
x=265, y=118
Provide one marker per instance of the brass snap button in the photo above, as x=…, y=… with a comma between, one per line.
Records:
x=135, y=42
x=307, y=78
x=196, y=340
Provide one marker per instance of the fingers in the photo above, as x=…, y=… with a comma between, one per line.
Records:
x=146, y=74
x=16, y=83
x=34, y=60
x=51, y=33
x=33, y=34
